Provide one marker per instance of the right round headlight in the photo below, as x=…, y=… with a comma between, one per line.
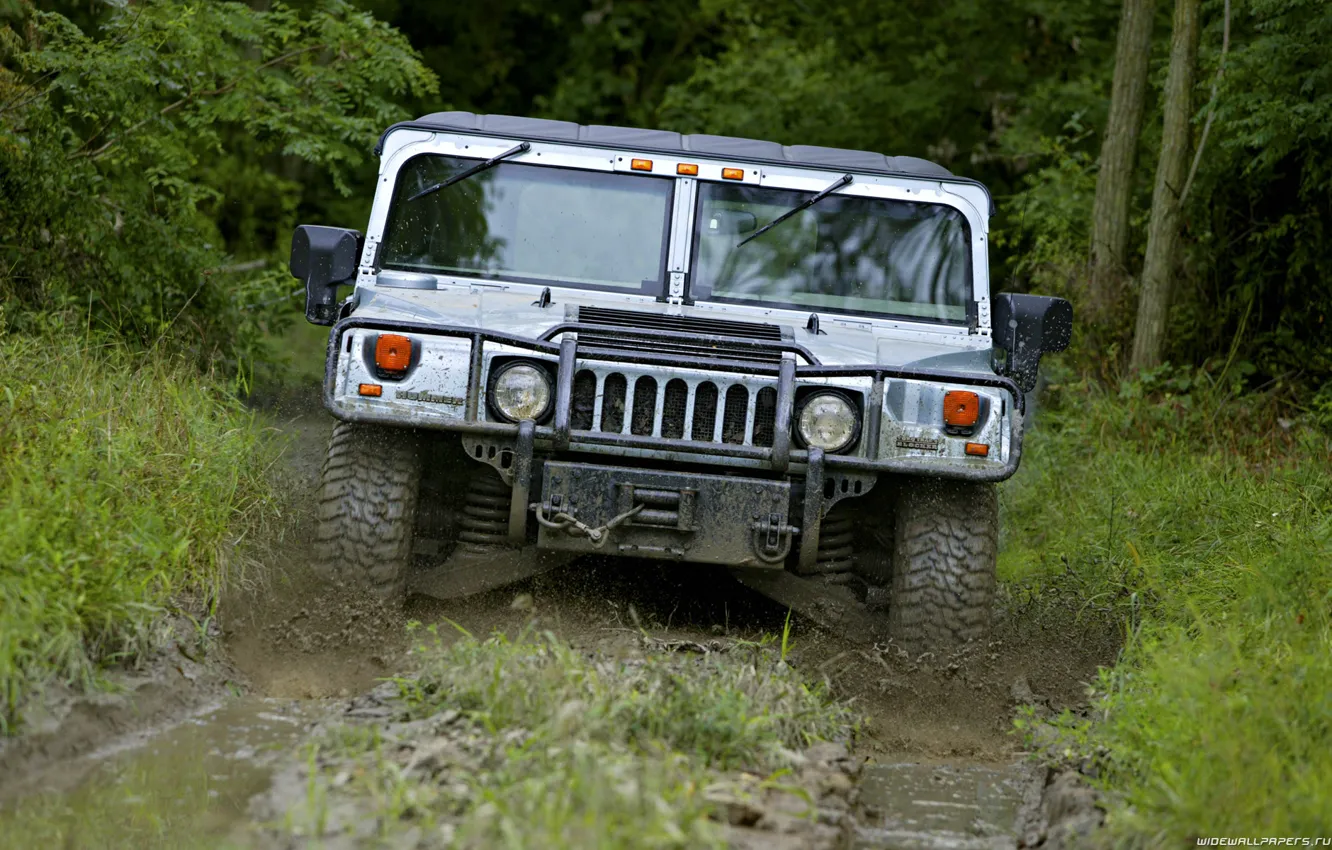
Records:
x=521, y=391
x=828, y=421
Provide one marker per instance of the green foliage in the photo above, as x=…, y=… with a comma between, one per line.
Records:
x=127, y=484
x=1172, y=507
x=139, y=162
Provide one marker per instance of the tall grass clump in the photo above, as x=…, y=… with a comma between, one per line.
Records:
x=126, y=483
x=1202, y=520
x=557, y=748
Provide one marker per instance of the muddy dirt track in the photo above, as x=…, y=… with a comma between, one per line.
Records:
x=937, y=736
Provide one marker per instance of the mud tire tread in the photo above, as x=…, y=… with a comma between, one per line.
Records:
x=946, y=544
x=367, y=507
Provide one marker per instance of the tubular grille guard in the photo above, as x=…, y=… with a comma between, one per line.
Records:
x=777, y=457
x=688, y=410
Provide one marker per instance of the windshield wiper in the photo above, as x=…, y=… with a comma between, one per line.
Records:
x=845, y=178
x=475, y=169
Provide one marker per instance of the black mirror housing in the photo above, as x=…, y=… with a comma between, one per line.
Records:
x=1027, y=326
x=325, y=258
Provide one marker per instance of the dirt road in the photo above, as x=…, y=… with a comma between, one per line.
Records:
x=941, y=768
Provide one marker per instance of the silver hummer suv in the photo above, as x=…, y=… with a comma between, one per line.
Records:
x=567, y=340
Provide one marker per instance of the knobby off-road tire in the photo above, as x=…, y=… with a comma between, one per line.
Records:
x=945, y=545
x=367, y=507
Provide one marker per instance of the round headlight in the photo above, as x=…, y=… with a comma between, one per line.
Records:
x=521, y=391
x=828, y=421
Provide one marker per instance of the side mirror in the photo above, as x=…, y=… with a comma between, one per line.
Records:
x=1027, y=326
x=324, y=257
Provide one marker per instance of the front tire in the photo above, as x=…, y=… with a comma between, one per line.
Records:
x=367, y=507
x=945, y=547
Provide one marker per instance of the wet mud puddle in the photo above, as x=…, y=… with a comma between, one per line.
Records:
x=939, y=807
x=185, y=787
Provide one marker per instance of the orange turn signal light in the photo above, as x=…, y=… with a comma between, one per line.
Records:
x=733, y=173
x=686, y=168
x=978, y=450
x=961, y=408
x=393, y=352
x=374, y=390
x=640, y=164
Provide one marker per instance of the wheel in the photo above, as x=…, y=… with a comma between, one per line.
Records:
x=367, y=507
x=945, y=544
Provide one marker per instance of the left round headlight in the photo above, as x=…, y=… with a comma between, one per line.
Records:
x=521, y=391
x=828, y=421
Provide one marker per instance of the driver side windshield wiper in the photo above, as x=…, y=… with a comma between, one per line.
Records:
x=845, y=179
x=475, y=169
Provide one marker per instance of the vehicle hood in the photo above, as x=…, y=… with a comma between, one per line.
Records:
x=844, y=341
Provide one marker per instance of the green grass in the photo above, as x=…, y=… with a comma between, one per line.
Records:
x=1205, y=527
x=127, y=483
x=567, y=750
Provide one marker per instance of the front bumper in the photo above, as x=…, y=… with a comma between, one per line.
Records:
x=463, y=413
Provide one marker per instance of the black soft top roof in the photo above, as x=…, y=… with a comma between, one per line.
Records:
x=670, y=142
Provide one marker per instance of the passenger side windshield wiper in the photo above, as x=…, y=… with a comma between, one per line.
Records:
x=845, y=179
x=476, y=169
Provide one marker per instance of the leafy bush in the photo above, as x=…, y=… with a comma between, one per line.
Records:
x=127, y=482
x=140, y=162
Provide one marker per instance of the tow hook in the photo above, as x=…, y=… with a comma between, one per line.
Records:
x=772, y=538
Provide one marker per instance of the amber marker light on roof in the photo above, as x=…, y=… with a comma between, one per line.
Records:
x=733, y=173
x=374, y=390
x=978, y=450
x=686, y=168
x=640, y=164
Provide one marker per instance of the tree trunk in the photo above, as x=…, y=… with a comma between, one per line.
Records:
x=1163, y=232
x=1114, y=183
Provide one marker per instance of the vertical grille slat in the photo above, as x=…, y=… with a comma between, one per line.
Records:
x=673, y=409
x=584, y=400
x=736, y=414
x=705, y=413
x=645, y=406
x=765, y=417
x=612, y=405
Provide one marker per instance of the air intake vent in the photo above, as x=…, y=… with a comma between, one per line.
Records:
x=691, y=325
x=691, y=338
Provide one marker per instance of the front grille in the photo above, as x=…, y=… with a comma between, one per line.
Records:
x=693, y=338
x=686, y=410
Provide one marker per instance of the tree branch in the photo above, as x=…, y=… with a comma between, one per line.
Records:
x=171, y=107
x=1211, y=108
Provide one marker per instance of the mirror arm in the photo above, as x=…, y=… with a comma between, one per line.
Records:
x=324, y=258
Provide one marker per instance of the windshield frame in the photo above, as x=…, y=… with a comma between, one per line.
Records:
x=650, y=288
x=865, y=190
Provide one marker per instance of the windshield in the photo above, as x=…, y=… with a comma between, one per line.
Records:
x=529, y=223
x=846, y=254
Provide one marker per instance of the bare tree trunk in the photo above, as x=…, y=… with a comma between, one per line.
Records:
x=1114, y=183
x=1163, y=232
